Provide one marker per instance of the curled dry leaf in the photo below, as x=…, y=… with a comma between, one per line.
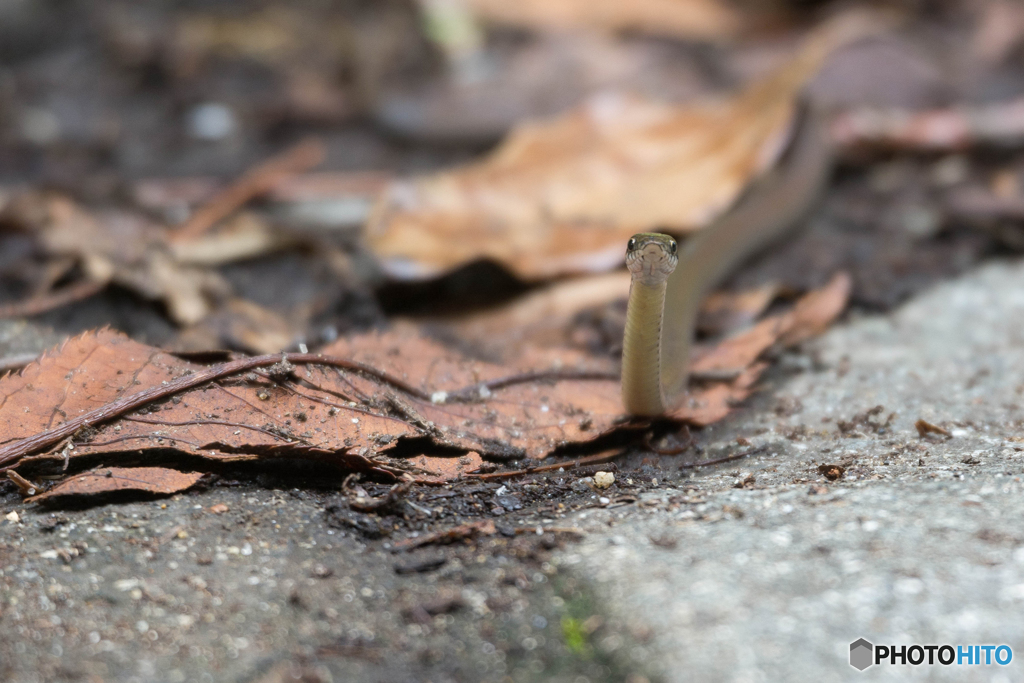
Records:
x=810, y=316
x=723, y=311
x=238, y=324
x=540, y=317
x=738, y=354
x=545, y=317
x=674, y=18
x=121, y=247
x=131, y=250
x=157, y=480
x=563, y=196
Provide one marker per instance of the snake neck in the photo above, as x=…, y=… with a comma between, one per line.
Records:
x=641, y=378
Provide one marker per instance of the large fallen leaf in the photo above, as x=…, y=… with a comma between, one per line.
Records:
x=675, y=18
x=366, y=403
x=563, y=196
x=157, y=480
x=104, y=393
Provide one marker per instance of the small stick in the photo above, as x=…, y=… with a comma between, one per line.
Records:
x=568, y=464
x=718, y=461
x=253, y=183
x=26, y=487
x=16, y=362
x=933, y=130
x=43, y=303
x=527, y=377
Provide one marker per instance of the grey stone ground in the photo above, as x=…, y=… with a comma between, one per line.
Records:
x=758, y=570
x=920, y=542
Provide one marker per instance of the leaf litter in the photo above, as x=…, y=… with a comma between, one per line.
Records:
x=557, y=197
x=391, y=404
x=130, y=249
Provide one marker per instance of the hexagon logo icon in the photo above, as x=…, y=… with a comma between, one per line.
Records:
x=861, y=652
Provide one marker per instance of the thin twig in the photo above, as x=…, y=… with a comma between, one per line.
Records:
x=473, y=392
x=718, y=461
x=198, y=423
x=42, y=303
x=931, y=130
x=255, y=182
x=16, y=361
x=568, y=464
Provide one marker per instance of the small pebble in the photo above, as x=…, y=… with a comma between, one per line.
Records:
x=583, y=484
x=211, y=121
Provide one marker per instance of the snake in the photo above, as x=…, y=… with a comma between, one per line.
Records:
x=669, y=282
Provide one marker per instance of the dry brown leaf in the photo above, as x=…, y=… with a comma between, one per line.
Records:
x=229, y=423
x=563, y=196
x=544, y=317
x=157, y=480
x=723, y=311
x=520, y=419
x=811, y=315
x=245, y=235
x=675, y=18
x=238, y=324
x=540, y=317
x=351, y=420
x=815, y=312
x=131, y=250
x=120, y=247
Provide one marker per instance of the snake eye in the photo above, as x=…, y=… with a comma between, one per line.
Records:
x=672, y=246
x=631, y=244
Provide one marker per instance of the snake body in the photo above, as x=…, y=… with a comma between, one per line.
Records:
x=667, y=287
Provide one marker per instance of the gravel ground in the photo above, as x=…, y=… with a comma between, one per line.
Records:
x=768, y=570
x=249, y=583
x=843, y=523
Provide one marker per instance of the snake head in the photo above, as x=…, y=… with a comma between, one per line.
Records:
x=651, y=257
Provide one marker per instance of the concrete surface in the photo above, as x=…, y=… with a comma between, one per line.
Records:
x=764, y=570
